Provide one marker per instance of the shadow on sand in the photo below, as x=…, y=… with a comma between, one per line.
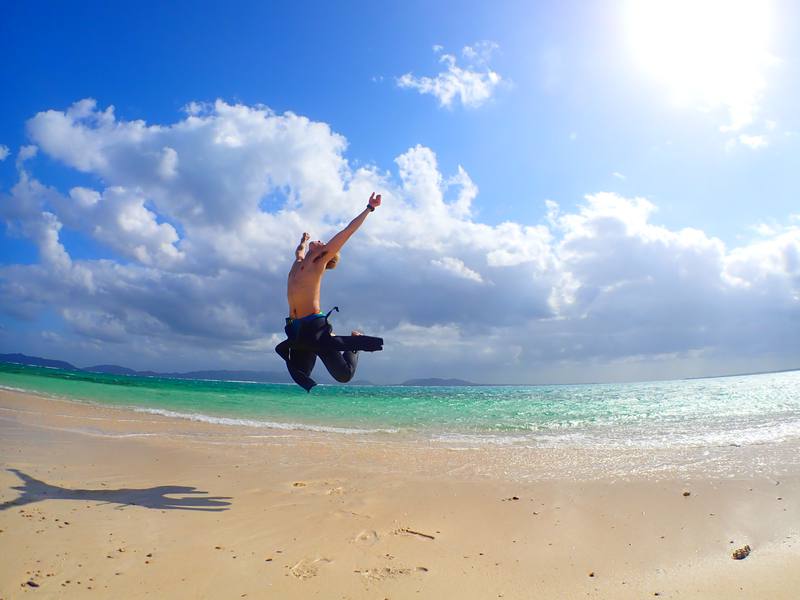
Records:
x=34, y=490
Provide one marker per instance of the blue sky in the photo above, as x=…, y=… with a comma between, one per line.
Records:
x=582, y=107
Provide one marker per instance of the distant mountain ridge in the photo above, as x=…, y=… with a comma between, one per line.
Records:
x=36, y=361
x=221, y=375
x=110, y=369
x=216, y=375
x=267, y=376
x=213, y=375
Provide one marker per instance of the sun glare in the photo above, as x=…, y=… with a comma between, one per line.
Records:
x=707, y=53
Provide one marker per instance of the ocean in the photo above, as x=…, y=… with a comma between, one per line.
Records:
x=726, y=411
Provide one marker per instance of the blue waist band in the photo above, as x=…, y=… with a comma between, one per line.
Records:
x=296, y=324
x=310, y=317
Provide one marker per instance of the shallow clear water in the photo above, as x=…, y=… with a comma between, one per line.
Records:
x=744, y=410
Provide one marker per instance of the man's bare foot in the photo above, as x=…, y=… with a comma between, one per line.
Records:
x=354, y=332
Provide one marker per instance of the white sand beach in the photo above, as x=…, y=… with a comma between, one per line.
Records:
x=108, y=503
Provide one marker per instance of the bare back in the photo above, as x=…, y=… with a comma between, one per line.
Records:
x=305, y=278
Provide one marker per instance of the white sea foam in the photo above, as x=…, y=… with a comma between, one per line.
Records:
x=748, y=411
x=261, y=424
x=10, y=388
x=652, y=436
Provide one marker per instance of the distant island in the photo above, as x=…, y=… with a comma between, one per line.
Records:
x=216, y=375
x=35, y=361
x=221, y=375
x=266, y=376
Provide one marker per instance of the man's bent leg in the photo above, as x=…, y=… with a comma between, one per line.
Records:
x=341, y=365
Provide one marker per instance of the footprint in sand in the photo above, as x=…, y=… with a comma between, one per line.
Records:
x=367, y=537
x=307, y=568
x=380, y=573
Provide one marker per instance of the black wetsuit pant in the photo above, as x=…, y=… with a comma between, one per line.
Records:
x=309, y=338
x=340, y=364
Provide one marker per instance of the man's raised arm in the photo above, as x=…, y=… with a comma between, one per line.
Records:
x=302, y=248
x=340, y=238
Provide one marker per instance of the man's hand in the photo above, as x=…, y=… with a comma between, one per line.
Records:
x=336, y=242
x=300, y=251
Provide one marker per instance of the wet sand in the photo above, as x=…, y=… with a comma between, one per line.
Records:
x=100, y=502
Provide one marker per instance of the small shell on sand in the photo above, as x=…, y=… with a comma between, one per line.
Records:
x=741, y=553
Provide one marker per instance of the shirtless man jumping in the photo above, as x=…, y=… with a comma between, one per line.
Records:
x=307, y=329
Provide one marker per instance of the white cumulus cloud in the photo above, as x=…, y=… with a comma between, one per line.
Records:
x=472, y=85
x=197, y=221
x=457, y=267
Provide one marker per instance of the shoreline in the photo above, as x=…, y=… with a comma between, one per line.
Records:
x=301, y=514
x=475, y=456
x=653, y=418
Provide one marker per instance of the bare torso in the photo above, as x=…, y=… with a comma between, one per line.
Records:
x=306, y=273
x=303, y=287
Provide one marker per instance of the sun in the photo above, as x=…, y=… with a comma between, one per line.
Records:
x=707, y=53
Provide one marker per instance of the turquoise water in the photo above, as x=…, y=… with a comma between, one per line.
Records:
x=753, y=409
